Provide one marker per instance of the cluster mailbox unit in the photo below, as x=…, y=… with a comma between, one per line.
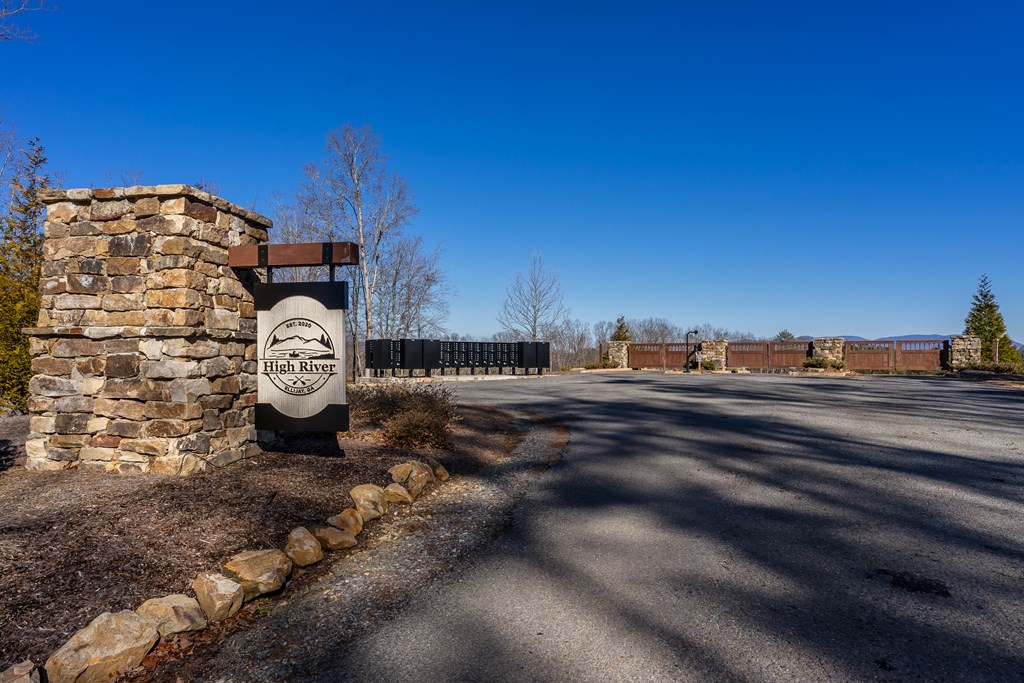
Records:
x=433, y=354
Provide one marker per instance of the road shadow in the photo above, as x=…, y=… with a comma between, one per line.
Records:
x=8, y=455
x=874, y=556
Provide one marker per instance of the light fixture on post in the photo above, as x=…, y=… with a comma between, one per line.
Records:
x=686, y=364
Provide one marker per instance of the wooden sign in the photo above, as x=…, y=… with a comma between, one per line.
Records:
x=300, y=338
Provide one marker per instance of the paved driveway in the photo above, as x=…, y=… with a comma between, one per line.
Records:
x=748, y=528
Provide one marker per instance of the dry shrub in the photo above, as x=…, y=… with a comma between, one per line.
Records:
x=1000, y=368
x=417, y=429
x=412, y=415
x=826, y=363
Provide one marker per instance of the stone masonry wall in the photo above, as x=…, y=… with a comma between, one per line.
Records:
x=830, y=348
x=145, y=346
x=964, y=350
x=714, y=350
x=618, y=354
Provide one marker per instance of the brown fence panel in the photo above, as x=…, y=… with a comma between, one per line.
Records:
x=747, y=355
x=921, y=354
x=869, y=355
x=646, y=356
x=676, y=355
x=791, y=354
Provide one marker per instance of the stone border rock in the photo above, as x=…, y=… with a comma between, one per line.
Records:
x=114, y=643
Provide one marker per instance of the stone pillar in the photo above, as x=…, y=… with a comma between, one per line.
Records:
x=715, y=350
x=829, y=348
x=964, y=350
x=618, y=354
x=145, y=349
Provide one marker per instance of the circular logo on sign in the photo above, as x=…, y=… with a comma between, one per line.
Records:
x=299, y=357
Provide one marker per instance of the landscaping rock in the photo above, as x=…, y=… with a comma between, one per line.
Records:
x=332, y=538
x=348, y=520
x=172, y=614
x=258, y=571
x=396, y=493
x=110, y=645
x=26, y=672
x=369, y=500
x=413, y=475
x=399, y=473
x=219, y=596
x=439, y=470
x=302, y=548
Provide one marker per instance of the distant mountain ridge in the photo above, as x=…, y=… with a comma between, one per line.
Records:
x=902, y=337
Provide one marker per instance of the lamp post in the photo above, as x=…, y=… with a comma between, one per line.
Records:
x=686, y=364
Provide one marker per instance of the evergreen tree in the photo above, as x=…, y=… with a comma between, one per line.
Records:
x=621, y=332
x=986, y=321
x=21, y=255
x=784, y=335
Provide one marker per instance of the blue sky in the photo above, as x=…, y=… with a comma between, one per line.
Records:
x=840, y=167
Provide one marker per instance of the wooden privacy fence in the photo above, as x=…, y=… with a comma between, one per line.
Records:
x=788, y=354
x=672, y=355
x=744, y=354
x=768, y=355
x=870, y=355
x=905, y=354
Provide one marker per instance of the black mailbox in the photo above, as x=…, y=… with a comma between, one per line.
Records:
x=543, y=354
x=385, y=353
x=412, y=354
x=527, y=355
x=432, y=354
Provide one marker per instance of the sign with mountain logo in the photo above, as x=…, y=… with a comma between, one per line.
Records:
x=301, y=356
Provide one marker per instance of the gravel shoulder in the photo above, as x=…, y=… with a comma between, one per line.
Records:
x=356, y=596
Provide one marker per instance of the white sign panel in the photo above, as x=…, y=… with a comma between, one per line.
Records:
x=300, y=356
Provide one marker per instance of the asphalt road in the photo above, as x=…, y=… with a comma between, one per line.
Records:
x=740, y=528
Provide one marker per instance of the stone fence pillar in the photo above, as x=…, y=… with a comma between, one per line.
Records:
x=715, y=350
x=829, y=348
x=618, y=354
x=145, y=346
x=964, y=350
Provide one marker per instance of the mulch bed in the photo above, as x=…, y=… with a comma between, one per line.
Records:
x=75, y=544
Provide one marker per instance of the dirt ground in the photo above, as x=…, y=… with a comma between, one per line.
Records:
x=75, y=544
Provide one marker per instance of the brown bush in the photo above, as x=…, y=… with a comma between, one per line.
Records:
x=417, y=429
x=411, y=414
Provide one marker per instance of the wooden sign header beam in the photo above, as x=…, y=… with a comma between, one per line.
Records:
x=283, y=255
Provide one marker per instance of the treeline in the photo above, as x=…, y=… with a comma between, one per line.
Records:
x=399, y=289
x=23, y=176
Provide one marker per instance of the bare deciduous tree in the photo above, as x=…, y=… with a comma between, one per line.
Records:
x=570, y=343
x=353, y=196
x=7, y=150
x=709, y=331
x=655, y=330
x=603, y=332
x=533, y=301
x=412, y=294
x=12, y=8
x=293, y=224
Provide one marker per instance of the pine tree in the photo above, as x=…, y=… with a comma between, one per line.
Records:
x=621, y=332
x=21, y=255
x=986, y=321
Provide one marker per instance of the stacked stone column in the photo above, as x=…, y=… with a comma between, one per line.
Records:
x=618, y=354
x=145, y=346
x=829, y=348
x=715, y=350
x=964, y=350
